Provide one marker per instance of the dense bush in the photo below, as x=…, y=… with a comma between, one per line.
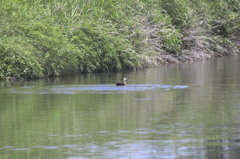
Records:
x=51, y=38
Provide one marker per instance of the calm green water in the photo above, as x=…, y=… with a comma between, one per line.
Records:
x=189, y=110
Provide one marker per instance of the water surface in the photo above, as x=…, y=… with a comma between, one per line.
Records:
x=186, y=110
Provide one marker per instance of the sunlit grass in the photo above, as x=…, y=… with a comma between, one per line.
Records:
x=108, y=35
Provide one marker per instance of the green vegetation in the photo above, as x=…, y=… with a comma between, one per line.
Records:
x=51, y=38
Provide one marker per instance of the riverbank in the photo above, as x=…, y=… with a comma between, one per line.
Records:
x=42, y=38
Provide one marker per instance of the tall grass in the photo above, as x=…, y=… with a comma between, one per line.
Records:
x=209, y=28
x=50, y=38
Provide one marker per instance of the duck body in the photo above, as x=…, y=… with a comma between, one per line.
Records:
x=123, y=83
x=120, y=83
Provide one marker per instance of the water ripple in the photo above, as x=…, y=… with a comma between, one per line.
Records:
x=103, y=88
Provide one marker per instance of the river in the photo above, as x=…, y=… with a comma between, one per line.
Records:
x=176, y=111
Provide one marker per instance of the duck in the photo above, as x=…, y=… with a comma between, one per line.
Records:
x=123, y=83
